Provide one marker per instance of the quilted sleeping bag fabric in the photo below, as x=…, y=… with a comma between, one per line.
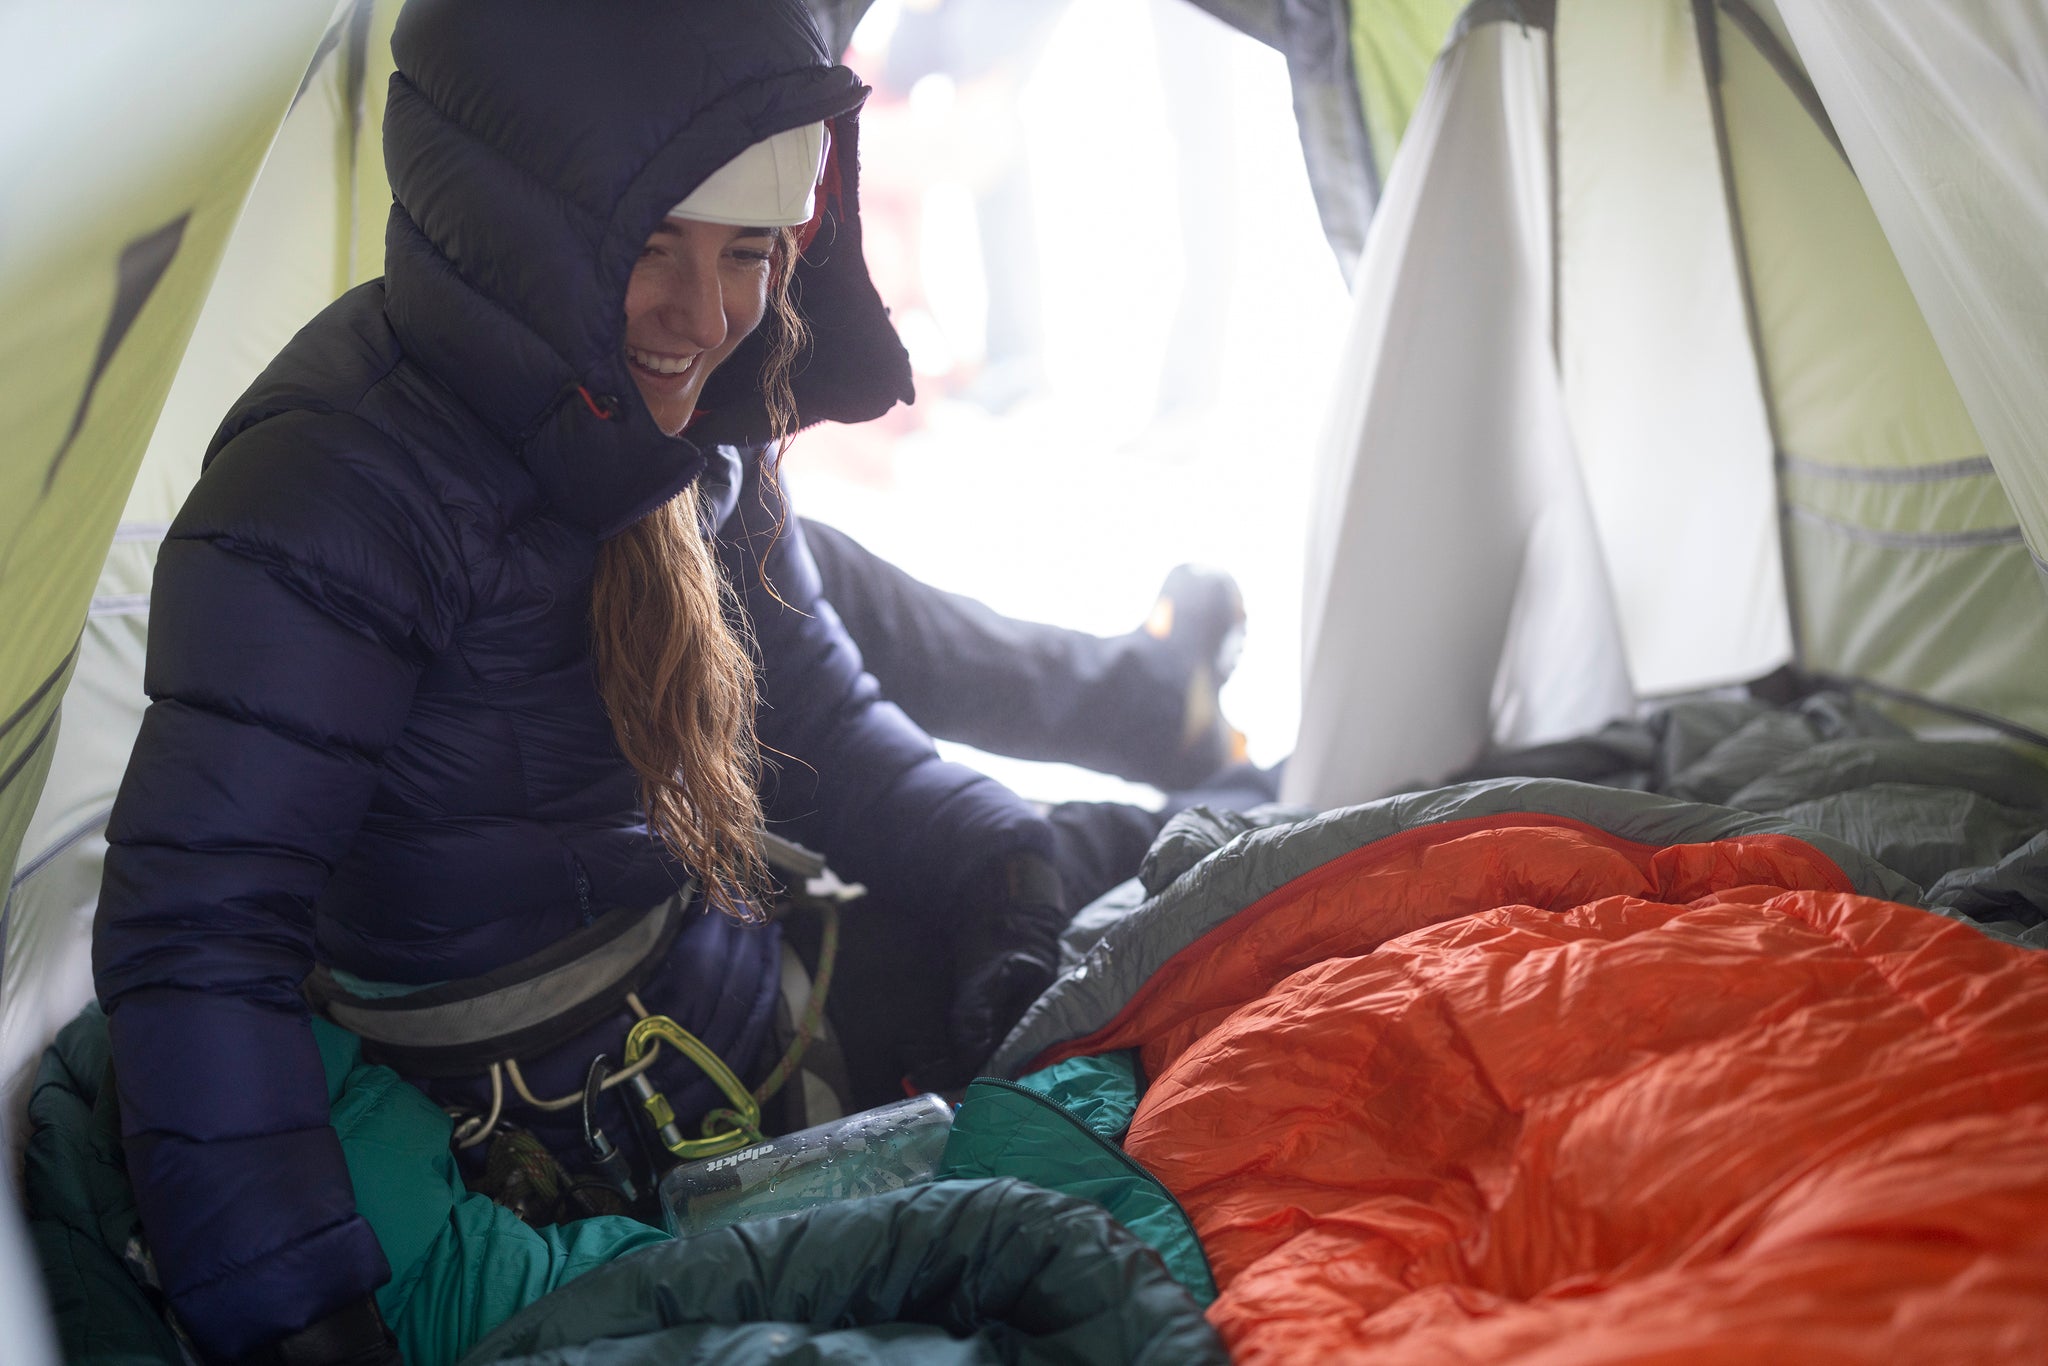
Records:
x=1513, y=1088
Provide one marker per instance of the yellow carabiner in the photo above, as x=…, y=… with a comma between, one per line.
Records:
x=745, y=1114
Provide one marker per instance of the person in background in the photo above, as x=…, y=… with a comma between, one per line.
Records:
x=1143, y=705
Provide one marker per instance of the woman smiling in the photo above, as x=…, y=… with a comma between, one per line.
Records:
x=450, y=645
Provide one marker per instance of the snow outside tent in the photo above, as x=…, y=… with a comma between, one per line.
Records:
x=1692, y=340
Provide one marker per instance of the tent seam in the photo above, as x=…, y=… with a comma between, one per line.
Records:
x=1955, y=709
x=1909, y=540
x=1707, y=36
x=35, y=698
x=68, y=839
x=1971, y=467
x=1787, y=68
x=21, y=761
x=118, y=605
x=1538, y=14
x=334, y=747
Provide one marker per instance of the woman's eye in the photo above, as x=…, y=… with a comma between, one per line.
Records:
x=751, y=257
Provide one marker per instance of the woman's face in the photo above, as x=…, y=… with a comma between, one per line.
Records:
x=697, y=290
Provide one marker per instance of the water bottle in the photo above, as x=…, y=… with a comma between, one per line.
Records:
x=877, y=1150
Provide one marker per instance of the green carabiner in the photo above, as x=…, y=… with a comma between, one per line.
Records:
x=744, y=1115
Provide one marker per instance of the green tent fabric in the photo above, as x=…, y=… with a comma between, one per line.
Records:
x=151, y=271
x=1393, y=46
x=109, y=260
x=1059, y=1128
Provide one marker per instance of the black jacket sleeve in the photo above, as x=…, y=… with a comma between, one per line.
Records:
x=851, y=775
x=290, y=615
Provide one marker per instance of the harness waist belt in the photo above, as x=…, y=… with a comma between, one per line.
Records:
x=460, y=1028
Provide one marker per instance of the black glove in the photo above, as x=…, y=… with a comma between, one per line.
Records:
x=1006, y=953
x=353, y=1335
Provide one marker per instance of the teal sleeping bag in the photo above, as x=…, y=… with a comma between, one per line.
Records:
x=955, y=1272
x=1060, y=1128
x=460, y=1264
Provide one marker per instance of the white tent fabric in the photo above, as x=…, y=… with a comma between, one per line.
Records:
x=1943, y=111
x=1455, y=581
x=49, y=905
x=1659, y=377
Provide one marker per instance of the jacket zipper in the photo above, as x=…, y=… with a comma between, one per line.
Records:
x=582, y=890
x=1118, y=1153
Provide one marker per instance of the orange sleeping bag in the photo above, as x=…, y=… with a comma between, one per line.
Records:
x=1514, y=1089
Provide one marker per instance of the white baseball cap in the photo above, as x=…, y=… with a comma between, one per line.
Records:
x=773, y=184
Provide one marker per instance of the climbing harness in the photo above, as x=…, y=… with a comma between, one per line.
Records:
x=483, y=1025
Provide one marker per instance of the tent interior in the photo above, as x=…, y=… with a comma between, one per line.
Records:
x=1692, y=342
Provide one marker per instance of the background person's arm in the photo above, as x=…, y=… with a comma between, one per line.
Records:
x=856, y=779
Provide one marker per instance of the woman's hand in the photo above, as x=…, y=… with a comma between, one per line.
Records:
x=353, y=1335
x=1007, y=953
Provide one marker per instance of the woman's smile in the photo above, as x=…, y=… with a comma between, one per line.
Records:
x=696, y=291
x=662, y=366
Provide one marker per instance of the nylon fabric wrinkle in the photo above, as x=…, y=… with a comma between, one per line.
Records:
x=286, y=572
x=328, y=746
x=1896, y=981
x=1385, y=854
x=524, y=431
x=498, y=259
x=492, y=147
x=1813, y=949
x=352, y=409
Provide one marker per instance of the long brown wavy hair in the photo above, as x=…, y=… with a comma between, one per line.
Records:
x=675, y=662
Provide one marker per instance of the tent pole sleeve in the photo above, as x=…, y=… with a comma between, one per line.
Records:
x=1744, y=16
x=1556, y=207
x=1911, y=698
x=354, y=76
x=1707, y=25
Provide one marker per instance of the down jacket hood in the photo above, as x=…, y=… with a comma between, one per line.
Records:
x=523, y=193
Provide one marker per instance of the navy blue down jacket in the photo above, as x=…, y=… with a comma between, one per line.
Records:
x=375, y=738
